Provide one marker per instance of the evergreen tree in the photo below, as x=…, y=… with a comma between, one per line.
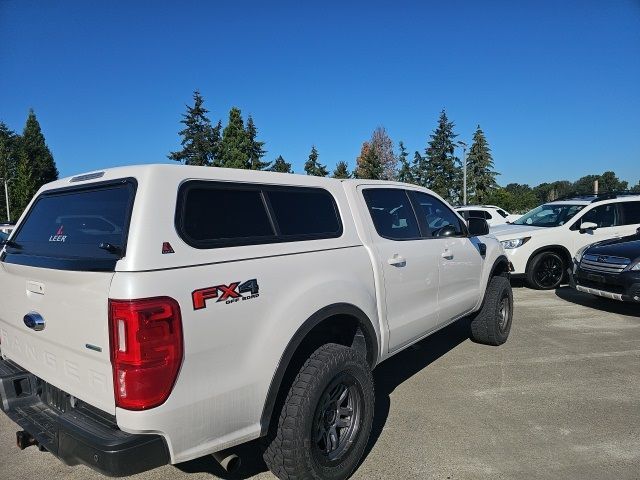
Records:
x=419, y=170
x=199, y=140
x=9, y=149
x=23, y=186
x=313, y=167
x=405, y=173
x=255, y=150
x=383, y=147
x=609, y=182
x=369, y=164
x=38, y=154
x=280, y=166
x=341, y=170
x=443, y=174
x=234, y=147
x=481, y=178
x=636, y=188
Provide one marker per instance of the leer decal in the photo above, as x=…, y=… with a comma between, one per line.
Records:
x=59, y=235
x=232, y=293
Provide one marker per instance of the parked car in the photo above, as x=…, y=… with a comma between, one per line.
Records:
x=609, y=269
x=3, y=236
x=228, y=305
x=542, y=243
x=492, y=214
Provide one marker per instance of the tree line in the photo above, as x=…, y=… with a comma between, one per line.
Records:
x=25, y=159
x=436, y=166
x=26, y=163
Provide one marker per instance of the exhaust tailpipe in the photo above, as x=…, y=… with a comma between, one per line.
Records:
x=25, y=440
x=229, y=461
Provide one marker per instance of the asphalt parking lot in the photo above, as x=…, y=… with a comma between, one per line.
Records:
x=561, y=399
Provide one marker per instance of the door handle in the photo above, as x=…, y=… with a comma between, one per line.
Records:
x=448, y=254
x=397, y=261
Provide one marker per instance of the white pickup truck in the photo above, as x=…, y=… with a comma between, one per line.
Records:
x=155, y=314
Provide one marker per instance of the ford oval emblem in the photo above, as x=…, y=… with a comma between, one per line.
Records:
x=34, y=321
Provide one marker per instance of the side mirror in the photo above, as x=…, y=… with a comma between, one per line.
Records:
x=588, y=227
x=477, y=226
x=447, y=231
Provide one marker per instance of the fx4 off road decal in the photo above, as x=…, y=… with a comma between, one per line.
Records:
x=232, y=293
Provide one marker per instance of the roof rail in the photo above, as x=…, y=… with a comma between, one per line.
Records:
x=596, y=197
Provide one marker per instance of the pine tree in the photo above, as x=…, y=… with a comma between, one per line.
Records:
x=383, y=147
x=481, y=177
x=199, y=140
x=405, y=173
x=37, y=152
x=255, y=150
x=341, y=170
x=369, y=164
x=313, y=167
x=234, y=148
x=23, y=186
x=443, y=174
x=279, y=165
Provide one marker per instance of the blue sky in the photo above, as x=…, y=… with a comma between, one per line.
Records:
x=554, y=85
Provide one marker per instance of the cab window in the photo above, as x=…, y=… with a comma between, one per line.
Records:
x=392, y=213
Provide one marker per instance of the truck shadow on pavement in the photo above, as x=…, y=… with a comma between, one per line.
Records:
x=591, y=301
x=387, y=376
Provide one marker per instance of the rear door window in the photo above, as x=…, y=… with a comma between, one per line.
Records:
x=76, y=228
x=630, y=213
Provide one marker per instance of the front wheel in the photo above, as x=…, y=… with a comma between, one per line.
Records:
x=326, y=419
x=492, y=323
x=546, y=271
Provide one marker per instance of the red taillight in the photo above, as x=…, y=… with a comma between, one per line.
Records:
x=146, y=350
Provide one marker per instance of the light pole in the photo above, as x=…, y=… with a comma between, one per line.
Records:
x=6, y=197
x=464, y=171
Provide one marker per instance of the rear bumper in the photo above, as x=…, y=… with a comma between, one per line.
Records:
x=76, y=434
x=623, y=286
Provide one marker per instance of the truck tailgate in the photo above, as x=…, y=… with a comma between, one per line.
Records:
x=72, y=350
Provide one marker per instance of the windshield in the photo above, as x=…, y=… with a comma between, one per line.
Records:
x=75, y=229
x=549, y=215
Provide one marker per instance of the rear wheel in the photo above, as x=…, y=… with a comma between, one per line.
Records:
x=546, y=271
x=326, y=419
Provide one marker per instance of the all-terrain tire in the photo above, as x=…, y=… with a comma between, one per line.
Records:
x=546, y=271
x=492, y=323
x=292, y=451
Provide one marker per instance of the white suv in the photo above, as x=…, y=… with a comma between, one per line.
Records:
x=541, y=243
x=492, y=214
x=156, y=314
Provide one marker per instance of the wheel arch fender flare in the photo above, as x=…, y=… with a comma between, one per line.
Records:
x=309, y=324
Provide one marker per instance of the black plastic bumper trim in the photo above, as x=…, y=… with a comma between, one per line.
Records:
x=78, y=435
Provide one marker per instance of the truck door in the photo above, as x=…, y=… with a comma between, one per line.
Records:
x=409, y=264
x=459, y=258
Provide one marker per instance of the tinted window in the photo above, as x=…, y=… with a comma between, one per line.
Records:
x=306, y=211
x=474, y=214
x=487, y=215
x=72, y=224
x=603, y=216
x=392, y=213
x=224, y=214
x=437, y=215
x=630, y=213
x=502, y=213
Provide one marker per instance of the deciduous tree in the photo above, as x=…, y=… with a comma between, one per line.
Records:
x=383, y=147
